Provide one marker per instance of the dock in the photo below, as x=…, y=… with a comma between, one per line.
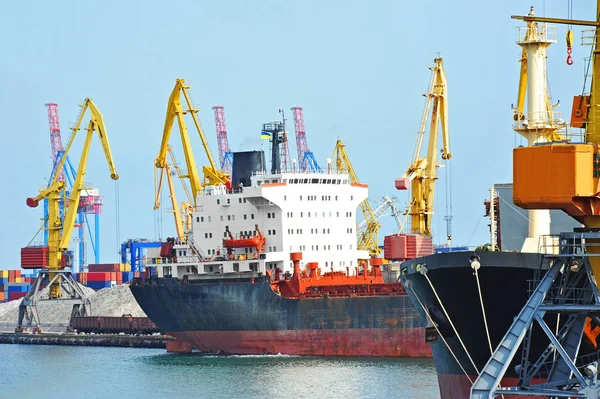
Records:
x=108, y=340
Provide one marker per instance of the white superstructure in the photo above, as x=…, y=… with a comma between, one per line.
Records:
x=312, y=213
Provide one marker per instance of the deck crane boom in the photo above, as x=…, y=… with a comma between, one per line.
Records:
x=211, y=174
x=421, y=174
x=386, y=203
x=368, y=238
x=60, y=230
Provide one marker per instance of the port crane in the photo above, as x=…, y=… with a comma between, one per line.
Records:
x=306, y=158
x=212, y=175
x=386, y=203
x=60, y=282
x=422, y=173
x=182, y=212
x=368, y=238
x=225, y=153
x=557, y=175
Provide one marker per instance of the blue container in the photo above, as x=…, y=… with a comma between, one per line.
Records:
x=127, y=276
x=98, y=285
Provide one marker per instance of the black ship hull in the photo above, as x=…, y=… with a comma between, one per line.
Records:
x=505, y=280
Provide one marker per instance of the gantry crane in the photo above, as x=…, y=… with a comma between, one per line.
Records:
x=306, y=158
x=182, y=212
x=225, y=153
x=368, y=238
x=421, y=174
x=211, y=174
x=60, y=283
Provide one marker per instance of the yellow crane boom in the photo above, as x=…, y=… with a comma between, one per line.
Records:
x=60, y=231
x=212, y=174
x=421, y=175
x=186, y=209
x=368, y=238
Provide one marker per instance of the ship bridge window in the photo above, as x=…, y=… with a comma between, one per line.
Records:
x=221, y=218
x=209, y=218
x=218, y=201
x=236, y=267
x=197, y=219
x=315, y=181
x=254, y=266
x=251, y=216
x=240, y=200
x=285, y=197
x=244, y=200
x=245, y=216
x=336, y=197
x=228, y=217
x=295, y=181
x=328, y=181
x=323, y=181
x=228, y=201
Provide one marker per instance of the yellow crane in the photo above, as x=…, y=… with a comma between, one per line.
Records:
x=421, y=175
x=211, y=174
x=60, y=231
x=182, y=212
x=367, y=238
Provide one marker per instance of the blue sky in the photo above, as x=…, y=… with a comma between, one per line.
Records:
x=358, y=68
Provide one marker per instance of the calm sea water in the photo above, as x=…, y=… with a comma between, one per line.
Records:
x=36, y=371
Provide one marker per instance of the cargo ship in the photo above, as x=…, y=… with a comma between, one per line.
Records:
x=468, y=300
x=271, y=265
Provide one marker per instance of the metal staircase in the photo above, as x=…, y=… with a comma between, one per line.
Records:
x=491, y=374
x=567, y=294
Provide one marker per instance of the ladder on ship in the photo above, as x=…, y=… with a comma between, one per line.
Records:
x=567, y=288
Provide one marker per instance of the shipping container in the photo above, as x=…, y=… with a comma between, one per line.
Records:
x=105, y=267
x=127, y=277
x=16, y=295
x=98, y=285
x=34, y=257
x=406, y=246
x=98, y=276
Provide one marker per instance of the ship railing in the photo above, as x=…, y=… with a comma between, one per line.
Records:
x=537, y=32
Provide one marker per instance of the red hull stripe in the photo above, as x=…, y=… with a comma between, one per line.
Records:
x=458, y=386
x=340, y=342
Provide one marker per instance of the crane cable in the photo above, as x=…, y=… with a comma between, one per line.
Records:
x=423, y=271
x=485, y=323
x=409, y=286
x=569, y=36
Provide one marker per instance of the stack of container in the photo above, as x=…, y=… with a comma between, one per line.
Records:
x=14, y=285
x=106, y=275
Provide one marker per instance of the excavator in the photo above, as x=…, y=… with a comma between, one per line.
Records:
x=212, y=176
x=60, y=283
x=421, y=174
x=368, y=236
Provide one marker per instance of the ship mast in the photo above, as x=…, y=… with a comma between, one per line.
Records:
x=537, y=124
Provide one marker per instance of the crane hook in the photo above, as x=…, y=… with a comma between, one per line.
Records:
x=569, y=47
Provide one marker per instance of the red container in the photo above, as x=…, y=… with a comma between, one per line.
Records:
x=113, y=276
x=34, y=257
x=406, y=246
x=104, y=267
x=15, y=295
x=136, y=274
x=97, y=276
x=119, y=278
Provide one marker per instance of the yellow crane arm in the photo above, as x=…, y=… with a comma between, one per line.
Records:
x=212, y=175
x=368, y=239
x=60, y=232
x=96, y=124
x=172, y=194
x=421, y=174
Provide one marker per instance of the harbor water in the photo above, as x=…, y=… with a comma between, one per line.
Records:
x=38, y=371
